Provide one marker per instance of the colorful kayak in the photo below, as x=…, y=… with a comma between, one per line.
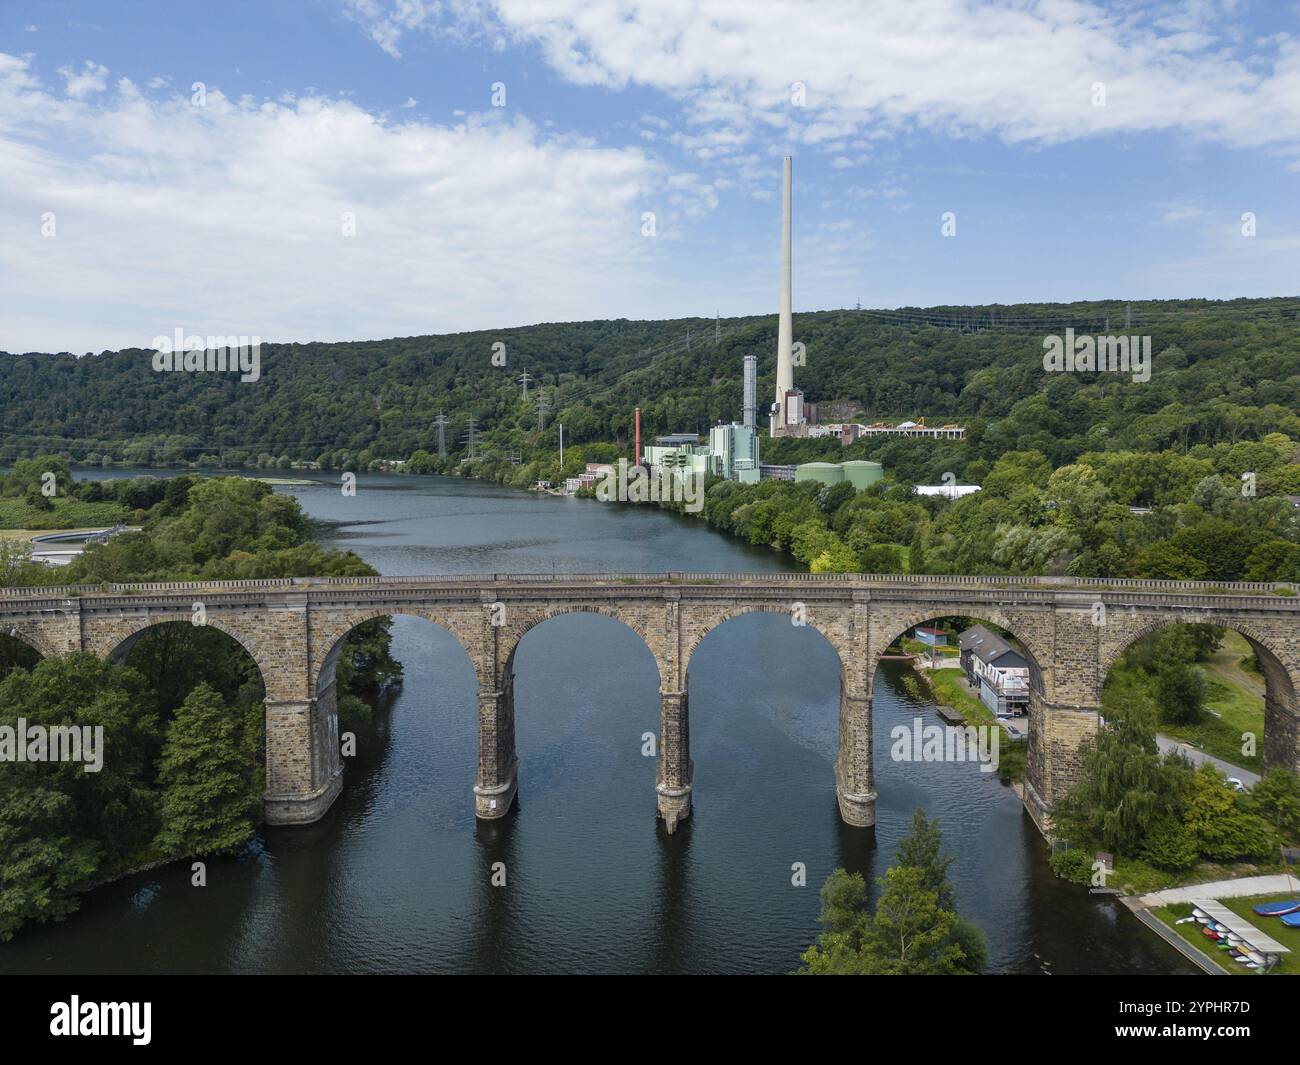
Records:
x=1291, y=920
x=1277, y=909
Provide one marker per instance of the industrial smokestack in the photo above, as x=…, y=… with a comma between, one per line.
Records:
x=785, y=326
x=751, y=386
x=636, y=456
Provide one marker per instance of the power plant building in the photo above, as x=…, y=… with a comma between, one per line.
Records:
x=689, y=458
x=733, y=452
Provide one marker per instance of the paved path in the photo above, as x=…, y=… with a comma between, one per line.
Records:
x=1197, y=757
x=1276, y=884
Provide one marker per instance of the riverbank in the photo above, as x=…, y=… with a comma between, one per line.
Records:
x=1166, y=913
x=948, y=687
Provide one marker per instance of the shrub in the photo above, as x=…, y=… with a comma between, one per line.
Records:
x=1074, y=865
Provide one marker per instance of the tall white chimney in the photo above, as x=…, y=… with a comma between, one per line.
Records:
x=785, y=326
x=751, y=387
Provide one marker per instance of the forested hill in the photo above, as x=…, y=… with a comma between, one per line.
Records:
x=1223, y=372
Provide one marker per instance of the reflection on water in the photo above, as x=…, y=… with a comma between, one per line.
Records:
x=397, y=876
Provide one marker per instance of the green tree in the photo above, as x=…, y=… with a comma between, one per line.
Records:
x=916, y=553
x=208, y=805
x=914, y=930
x=1122, y=789
x=60, y=825
x=1276, y=798
x=912, y=935
x=1180, y=693
x=922, y=848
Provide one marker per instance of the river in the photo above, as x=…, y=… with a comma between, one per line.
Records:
x=396, y=878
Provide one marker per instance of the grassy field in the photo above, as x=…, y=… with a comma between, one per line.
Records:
x=29, y=534
x=950, y=688
x=66, y=514
x=1236, y=707
x=916, y=647
x=1288, y=937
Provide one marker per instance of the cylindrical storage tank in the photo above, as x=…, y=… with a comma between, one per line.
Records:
x=860, y=473
x=825, y=472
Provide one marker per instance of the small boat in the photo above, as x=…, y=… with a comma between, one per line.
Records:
x=1291, y=920
x=1209, y=933
x=1277, y=909
x=1185, y=920
x=1254, y=958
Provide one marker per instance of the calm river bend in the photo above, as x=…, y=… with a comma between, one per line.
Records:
x=396, y=877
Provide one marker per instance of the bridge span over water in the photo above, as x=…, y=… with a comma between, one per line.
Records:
x=1073, y=630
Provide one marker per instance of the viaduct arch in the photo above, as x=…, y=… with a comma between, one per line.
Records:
x=1073, y=630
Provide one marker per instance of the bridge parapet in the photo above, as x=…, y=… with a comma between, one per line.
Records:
x=1280, y=590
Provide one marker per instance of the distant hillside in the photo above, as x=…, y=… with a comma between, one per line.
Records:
x=1223, y=372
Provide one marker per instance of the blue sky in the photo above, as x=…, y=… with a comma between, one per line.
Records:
x=130, y=209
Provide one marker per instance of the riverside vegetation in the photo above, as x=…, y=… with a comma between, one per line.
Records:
x=182, y=715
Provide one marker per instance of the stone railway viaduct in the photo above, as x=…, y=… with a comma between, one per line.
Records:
x=1073, y=631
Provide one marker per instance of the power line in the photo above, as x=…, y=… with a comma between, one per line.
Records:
x=441, y=423
x=470, y=439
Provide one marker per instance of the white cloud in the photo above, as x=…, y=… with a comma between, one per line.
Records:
x=1181, y=212
x=227, y=218
x=387, y=21
x=92, y=79
x=1017, y=70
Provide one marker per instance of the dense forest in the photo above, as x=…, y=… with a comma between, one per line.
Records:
x=1209, y=444
x=1224, y=372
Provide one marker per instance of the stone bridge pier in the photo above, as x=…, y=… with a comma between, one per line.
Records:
x=675, y=771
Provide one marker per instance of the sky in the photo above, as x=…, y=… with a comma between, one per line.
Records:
x=365, y=169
